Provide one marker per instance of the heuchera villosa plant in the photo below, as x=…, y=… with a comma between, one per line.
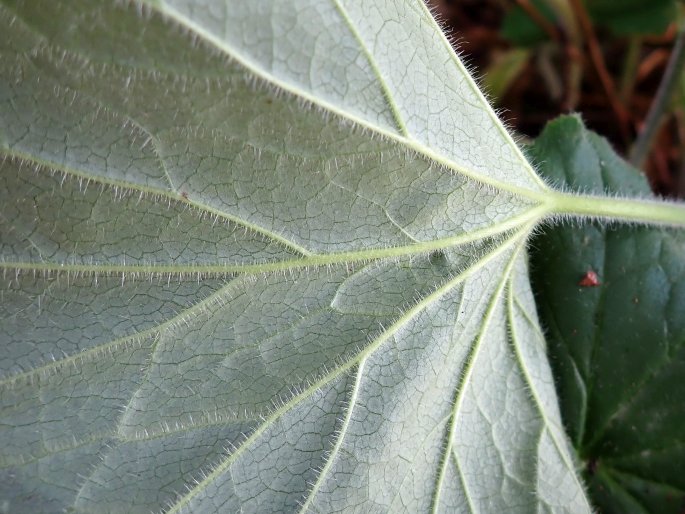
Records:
x=268, y=257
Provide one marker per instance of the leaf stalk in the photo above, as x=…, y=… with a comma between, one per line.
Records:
x=635, y=210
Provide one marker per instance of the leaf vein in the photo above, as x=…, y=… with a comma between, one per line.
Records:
x=539, y=196
x=339, y=440
x=553, y=429
x=466, y=378
x=344, y=368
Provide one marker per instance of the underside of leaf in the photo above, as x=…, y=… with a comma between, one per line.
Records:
x=267, y=257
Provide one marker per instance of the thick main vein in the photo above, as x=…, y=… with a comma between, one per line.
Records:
x=530, y=216
x=338, y=443
x=554, y=429
x=347, y=366
x=464, y=384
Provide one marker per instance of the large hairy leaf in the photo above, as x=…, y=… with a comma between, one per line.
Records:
x=264, y=257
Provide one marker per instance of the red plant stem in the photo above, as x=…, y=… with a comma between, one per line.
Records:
x=620, y=111
x=571, y=67
x=539, y=19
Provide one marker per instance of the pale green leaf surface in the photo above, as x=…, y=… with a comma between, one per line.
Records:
x=266, y=257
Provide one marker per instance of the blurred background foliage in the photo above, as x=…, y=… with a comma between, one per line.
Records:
x=617, y=62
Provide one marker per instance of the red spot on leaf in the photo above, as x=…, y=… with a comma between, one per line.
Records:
x=590, y=279
x=184, y=195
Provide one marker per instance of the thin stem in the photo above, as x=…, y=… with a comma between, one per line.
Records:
x=534, y=14
x=597, y=58
x=619, y=209
x=570, y=40
x=680, y=181
x=630, y=66
x=655, y=117
x=573, y=75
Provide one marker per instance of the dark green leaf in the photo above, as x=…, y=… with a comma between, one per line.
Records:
x=617, y=350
